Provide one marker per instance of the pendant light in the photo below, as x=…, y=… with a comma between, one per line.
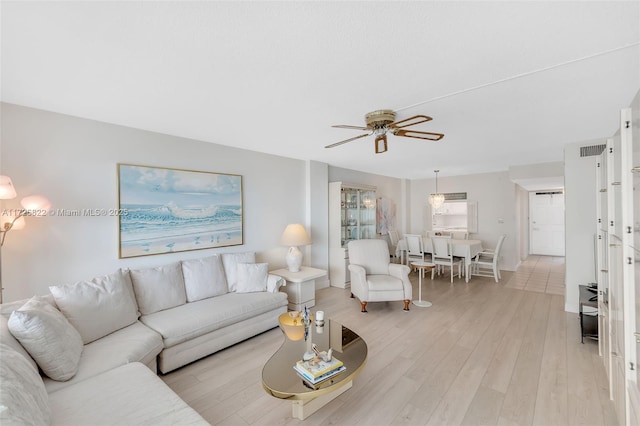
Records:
x=437, y=199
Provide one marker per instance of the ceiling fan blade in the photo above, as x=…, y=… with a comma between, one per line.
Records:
x=346, y=126
x=347, y=140
x=419, y=135
x=411, y=121
x=381, y=143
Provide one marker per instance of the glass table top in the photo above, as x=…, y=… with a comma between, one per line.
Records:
x=281, y=380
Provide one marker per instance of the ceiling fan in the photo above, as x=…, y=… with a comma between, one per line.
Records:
x=382, y=121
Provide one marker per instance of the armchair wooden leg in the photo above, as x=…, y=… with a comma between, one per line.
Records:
x=352, y=296
x=406, y=304
x=364, y=306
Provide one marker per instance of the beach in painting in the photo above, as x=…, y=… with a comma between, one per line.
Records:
x=172, y=210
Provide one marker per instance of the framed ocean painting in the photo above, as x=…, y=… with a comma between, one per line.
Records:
x=170, y=210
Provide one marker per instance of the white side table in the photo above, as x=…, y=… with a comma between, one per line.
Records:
x=301, y=286
x=422, y=267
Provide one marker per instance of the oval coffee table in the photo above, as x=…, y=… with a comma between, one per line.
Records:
x=279, y=378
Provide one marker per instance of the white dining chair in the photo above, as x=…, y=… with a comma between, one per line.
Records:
x=442, y=255
x=486, y=263
x=394, y=239
x=415, y=249
x=460, y=235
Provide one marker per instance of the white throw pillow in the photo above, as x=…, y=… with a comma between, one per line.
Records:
x=158, y=288
x=48, y=337
x=252, y=277
x=98, y=307
x=230, y=262
x=23, y=397
x=204, y=278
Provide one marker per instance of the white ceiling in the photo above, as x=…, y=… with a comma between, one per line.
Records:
x=508, y=83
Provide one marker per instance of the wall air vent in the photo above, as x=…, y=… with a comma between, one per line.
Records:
x=588, y=151
x=549, y=192
x=452, y=196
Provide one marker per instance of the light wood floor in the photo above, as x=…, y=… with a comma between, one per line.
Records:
x=483, y=354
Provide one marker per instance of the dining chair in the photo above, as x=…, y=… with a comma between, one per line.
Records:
x=415, y=249
x=442, y=255
x=460, y=235
x=486, y=263
x=394, y=239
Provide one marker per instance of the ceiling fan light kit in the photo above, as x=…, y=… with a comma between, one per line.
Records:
x=381, y=122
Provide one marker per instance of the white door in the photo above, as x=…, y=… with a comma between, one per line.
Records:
x=546, y=223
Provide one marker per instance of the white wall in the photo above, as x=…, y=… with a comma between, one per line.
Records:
x=317, y=202
x=497, y=209
x=580, y=220
x=72, y=161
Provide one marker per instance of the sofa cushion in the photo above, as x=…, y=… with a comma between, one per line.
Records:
x=158, y=288
x=98, y=307
x=136, y=342
x=252, y=277
x=130, y=394
x=191, y=320
x=7, y=338
x=48, y=337
x=23, y=398
x=230, y=262
x=204, y=278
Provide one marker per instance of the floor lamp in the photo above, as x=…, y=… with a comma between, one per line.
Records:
x=13, y=219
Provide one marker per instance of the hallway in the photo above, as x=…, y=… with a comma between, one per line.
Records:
x=542, y=274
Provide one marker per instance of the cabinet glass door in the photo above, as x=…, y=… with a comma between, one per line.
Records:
x=358, y=214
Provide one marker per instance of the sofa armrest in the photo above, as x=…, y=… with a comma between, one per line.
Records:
x=274, y=283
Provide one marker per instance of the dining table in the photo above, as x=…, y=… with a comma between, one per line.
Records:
x=468, y=249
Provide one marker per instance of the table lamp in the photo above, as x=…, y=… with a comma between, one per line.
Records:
x=294, y=236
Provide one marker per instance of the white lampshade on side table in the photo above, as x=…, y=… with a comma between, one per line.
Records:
x=294, y=236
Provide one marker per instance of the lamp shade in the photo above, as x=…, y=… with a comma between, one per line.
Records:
x=436, y=200
x=295, y=235
x=7, y=191
x=9, y=221
x=36, y=203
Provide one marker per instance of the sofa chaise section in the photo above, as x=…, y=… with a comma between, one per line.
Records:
x=130, y=394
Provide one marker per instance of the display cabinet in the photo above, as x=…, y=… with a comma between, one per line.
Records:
x=352, y=216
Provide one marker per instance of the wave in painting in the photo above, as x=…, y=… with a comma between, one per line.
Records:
x=148, y=229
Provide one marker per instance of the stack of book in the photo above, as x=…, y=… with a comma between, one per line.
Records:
x=316, y=372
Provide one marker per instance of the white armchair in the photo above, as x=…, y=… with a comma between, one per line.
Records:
x=373, y=277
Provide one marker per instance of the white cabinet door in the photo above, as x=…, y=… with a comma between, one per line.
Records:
x=630, y=230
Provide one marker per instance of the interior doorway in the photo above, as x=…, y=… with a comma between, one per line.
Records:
x=546, y=223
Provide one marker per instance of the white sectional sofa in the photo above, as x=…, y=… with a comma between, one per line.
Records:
x=91, y=340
